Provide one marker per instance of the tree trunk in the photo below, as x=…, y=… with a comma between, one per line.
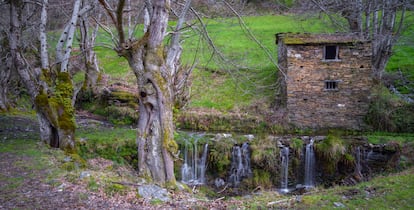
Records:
x=87, y=44
x=54, y=109
x=156, y=68
x=4, y=85
x=155, y=138
x=155, y=125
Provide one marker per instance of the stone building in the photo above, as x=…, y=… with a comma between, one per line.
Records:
x=325, y=79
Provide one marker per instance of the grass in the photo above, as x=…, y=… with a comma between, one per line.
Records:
x=116, y=144
x=247, y=74
x=384, y=137
x=384, y=192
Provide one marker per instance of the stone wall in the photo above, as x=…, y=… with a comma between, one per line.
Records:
x=308, y=102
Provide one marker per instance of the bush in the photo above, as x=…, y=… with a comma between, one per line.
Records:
x=389, y=113
x=330, y=152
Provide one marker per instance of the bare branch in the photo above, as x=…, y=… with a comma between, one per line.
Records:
x=253, y=37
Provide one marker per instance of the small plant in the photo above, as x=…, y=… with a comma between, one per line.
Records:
x=297, y=145
x=330, y=151
x=262, y=178
x=348, y=160
x=156, y=201
x=93, y=185
x=113, y=189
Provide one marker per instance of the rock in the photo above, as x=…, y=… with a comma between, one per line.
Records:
x=67, y=159
x=61, y=187
x=82, y=140
x=298, y=198
x=153, y=192
x=339, y=205
x=181, y=186
x=218, y=182
x=249, y=137
x=220, y=136
x=84, y=174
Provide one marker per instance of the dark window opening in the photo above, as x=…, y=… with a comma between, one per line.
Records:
x=331, y=52
x=331, y=85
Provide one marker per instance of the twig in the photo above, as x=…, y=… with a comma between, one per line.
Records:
x=219, y=199
x=277, y=202
x=256, y=189
x=225, y=187
x=126, y=183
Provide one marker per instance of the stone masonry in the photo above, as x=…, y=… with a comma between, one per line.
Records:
x=325, y=79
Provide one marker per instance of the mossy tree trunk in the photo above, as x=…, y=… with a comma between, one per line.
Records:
x=155, y=66
x=51, y=91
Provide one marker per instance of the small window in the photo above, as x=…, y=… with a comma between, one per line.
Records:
x=331, y=52
x=331, y=85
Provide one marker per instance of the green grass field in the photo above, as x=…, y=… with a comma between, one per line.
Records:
x=244, y=74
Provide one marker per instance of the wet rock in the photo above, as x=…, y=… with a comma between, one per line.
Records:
x=219, y=182
x=153, y=192
x=222, y=136
x=339, y=205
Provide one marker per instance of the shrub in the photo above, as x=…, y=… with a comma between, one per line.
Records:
x=388, y=112
x=330, y=151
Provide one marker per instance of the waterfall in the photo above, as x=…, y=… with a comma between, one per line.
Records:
x=358, y=161
x=194, y=168
x=240, y=164
x=309, y=165
x=203, y=165
x=284, y=155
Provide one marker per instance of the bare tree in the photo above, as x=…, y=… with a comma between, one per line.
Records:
x=381, y=21
x=87, y=44
x=50, y=85
x=156, y=67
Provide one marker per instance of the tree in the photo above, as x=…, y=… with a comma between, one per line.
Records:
x=382, y=22
x=5, y=72
x=50, y=87
x=156, y=67
x=86, y=44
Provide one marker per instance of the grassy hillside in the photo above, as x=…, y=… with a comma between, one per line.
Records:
x=245, y=74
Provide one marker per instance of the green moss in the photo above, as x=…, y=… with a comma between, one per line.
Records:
x=78, y=159
x=172, y=185
x=69, y=166
x=63, y=97
x=58, y=105
x=169, y=142
x=42, y=99
x=330, y=150
x=46, y=76
x=297, y=145
x=124, y=96
x=262, y=178
x=348, y=160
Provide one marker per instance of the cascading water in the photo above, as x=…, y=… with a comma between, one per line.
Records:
x=309, y=165
x=284, y=155
x=358, y=166
x=240, y=164
x=194, y=168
